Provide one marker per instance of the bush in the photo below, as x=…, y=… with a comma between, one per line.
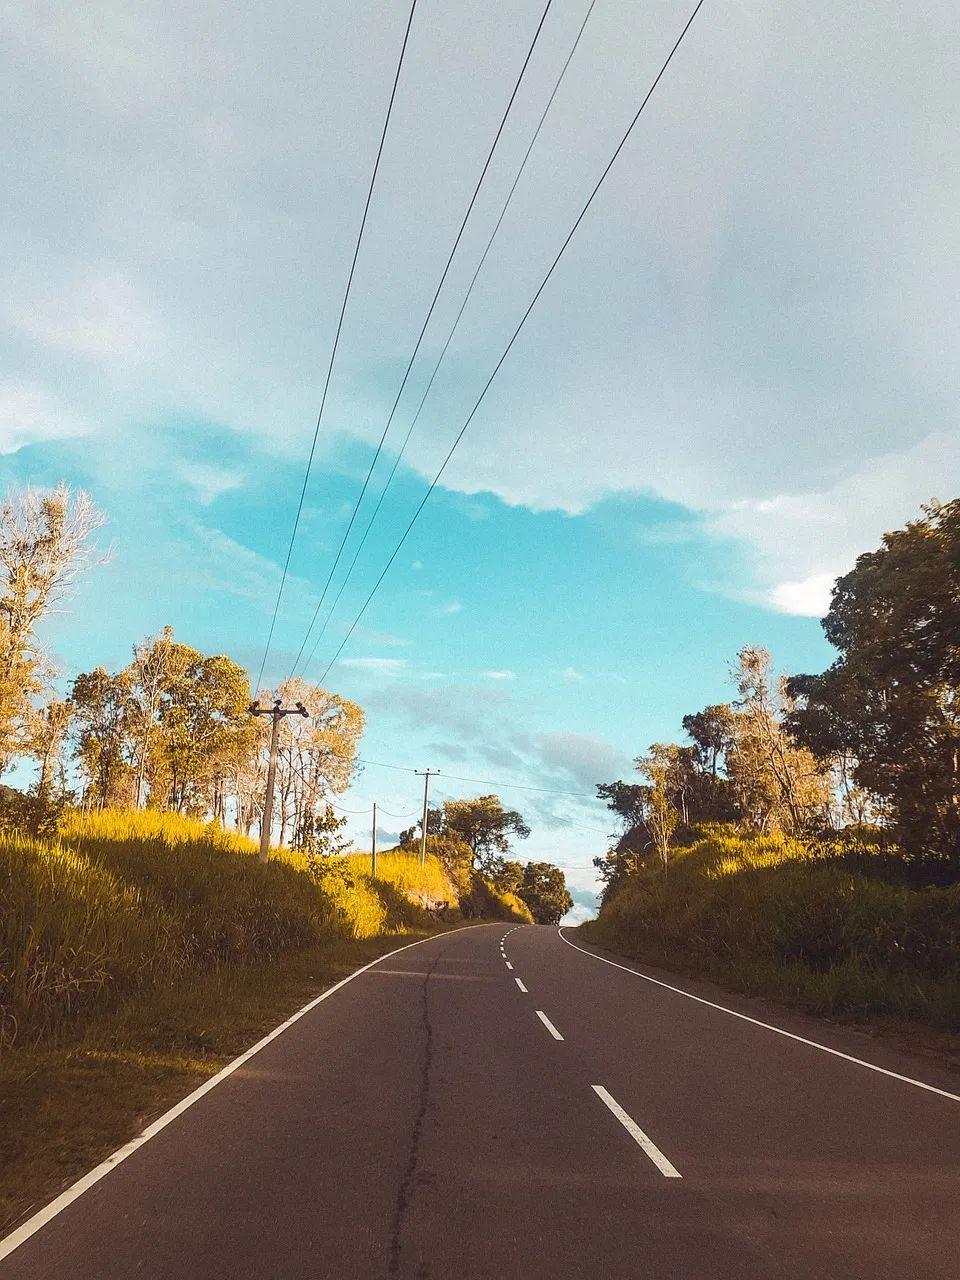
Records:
x=772, y=915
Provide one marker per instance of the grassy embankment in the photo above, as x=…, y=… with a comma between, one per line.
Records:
x=771, y=917
x=142, y=951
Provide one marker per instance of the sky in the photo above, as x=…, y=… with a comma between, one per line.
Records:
x=742, y=372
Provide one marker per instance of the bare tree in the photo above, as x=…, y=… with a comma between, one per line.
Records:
x=46, y=540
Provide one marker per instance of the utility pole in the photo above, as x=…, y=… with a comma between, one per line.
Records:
x=427, y=774
x=373, y=844
x=276, y=713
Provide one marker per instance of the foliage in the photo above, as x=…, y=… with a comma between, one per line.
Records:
x=810, y=923
x=543, y=889
x=890, y=703
x=481, y=825
x=482, y=900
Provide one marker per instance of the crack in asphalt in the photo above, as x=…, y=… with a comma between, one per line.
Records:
x=404, y=1191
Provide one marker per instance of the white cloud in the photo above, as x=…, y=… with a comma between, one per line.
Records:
x=585, y=760
x=499, y=675
x=722, y=333
x=209, y=481
x=101, y=317
x=809, y=598
x=571, y=673
x=387, y=666
x=417, y=564
x=453, y=607
x=800, y=543
x=29, y=415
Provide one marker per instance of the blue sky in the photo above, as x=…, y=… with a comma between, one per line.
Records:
x=742, y=373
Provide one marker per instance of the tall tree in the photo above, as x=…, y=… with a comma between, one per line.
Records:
x=662, y=768
x=779, y=784
x=890, y=702
x=485, y=826
x=101, y=730
x=46, y=539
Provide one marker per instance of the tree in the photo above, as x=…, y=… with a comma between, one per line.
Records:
x=890, y=703
x=316, y=759
x=102, y=735
x=45, y=542
x=506, y=876
x=661, y=767
x=485, y=826
x=779, y=785
x=544, y=890
x=436, y=826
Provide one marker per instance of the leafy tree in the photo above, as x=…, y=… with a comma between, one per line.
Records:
x=712, y=731
x=890, y=703
x=485, y=826
x=436, y=826
x=544, y=890
x=506, y=876
x=101, y=733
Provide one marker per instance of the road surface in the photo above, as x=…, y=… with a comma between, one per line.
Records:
x=495, y=1103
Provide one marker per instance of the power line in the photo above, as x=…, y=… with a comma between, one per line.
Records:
x=516, y=333
x=446, y=345
x=336, y=343
x=423, y=330
x=480, y=782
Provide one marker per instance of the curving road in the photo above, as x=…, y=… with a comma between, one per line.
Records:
x=497, y=1103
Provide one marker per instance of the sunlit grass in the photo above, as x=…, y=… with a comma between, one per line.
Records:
x=125, y=901
x=770, y=914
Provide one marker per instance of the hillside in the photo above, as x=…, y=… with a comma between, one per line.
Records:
x=771, y=916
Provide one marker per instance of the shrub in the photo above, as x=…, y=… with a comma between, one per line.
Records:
x=770, y=914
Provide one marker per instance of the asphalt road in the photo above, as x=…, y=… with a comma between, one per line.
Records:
x=427, y=1122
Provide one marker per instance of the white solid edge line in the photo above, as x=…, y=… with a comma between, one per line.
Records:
x=549, y=1025
x=73, y=1192
x=520, y=985
x=650, y=1148
x=767, y=1026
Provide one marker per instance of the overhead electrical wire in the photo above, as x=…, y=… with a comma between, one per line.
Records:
x=336, y=344
x=480, y=782
x=450, y=336
x=420, y=337
x=516, y=333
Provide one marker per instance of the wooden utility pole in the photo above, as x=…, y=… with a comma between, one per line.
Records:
x=427, y=775
x=373, y=843
x=276, y=713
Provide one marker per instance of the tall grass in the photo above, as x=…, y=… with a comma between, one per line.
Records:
x=130, y=900
x=770, y=915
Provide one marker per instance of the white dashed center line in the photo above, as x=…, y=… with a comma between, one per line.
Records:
x=509, y=965
x=549, y=1025
x=520, y=984
x=635, y=1132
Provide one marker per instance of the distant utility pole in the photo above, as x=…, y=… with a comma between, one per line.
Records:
x=276, y=712
x=426, y=774
x=373, y=844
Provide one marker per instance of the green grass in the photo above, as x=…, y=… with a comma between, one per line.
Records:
x=772, y=917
